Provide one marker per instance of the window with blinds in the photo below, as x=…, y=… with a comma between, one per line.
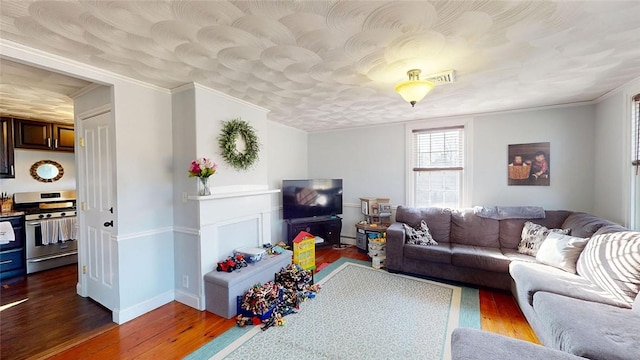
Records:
x=438, y=165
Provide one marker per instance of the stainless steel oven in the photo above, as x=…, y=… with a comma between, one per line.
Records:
x=50, y=228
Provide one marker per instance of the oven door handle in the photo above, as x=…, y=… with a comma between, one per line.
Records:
x=37, y=223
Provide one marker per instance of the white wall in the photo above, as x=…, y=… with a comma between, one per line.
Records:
x=24, y=182
x=369, y=160
x=287, y=158
x=612, y=198
x=372, y=160
x=212, y=108
x=144, y=184
x=571, y=134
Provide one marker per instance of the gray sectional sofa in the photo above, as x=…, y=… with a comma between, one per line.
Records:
x=472, y=344
x=573, y=312
x=470, y=248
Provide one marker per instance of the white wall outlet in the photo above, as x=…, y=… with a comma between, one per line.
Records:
x=184, y=197
x=185, y=281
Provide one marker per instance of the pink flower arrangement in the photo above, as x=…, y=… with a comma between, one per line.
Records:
x=202, y=168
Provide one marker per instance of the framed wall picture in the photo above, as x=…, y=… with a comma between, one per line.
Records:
x=529, y=164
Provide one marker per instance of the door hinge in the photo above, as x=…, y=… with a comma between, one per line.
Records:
x=84, y=269
x=81, y=141
x=83, y=206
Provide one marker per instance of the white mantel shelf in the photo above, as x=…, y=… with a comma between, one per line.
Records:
x=232, y=194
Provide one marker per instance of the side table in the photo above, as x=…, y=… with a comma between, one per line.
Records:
x=363, y=231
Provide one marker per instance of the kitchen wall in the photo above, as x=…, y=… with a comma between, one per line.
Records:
x=23, y=182
x=372, y=160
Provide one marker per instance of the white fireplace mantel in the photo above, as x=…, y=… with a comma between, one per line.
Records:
x=224, y=195
x=229, y=218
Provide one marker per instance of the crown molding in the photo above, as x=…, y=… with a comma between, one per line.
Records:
x=85, y=90
x=229, y=97
x=620, y=88
x=198, y=86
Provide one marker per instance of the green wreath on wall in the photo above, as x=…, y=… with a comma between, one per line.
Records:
x=231, y=131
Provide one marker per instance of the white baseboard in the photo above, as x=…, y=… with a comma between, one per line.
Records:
x=122, y=316
x=188, y=299
x=347, y=240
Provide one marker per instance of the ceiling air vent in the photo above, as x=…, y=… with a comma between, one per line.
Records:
x=445, y=77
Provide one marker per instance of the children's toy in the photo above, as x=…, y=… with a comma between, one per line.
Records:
x=241, y=261
x=251, y=254
x=231, y=264
x=267, y=304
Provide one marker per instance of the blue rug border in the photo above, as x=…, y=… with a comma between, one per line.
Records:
x=468, y=317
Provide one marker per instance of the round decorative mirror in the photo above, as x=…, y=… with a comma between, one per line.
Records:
x=47, y=171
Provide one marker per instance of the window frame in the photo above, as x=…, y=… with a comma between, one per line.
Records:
x=467, y=167
x=633, y=220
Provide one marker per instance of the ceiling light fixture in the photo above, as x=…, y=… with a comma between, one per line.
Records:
x=415, y=89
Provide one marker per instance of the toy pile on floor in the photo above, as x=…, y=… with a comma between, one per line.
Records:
x=268, y=304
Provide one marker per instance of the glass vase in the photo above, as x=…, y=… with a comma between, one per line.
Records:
x=203, y=189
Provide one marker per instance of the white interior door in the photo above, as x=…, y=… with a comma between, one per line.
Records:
x=97, y=241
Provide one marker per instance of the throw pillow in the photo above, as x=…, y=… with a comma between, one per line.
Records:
x=420, y=236
x=561, y=251
x=532, y=237
x=612, y=261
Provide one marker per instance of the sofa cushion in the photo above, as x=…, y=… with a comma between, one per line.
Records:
x=583, y=224
x=511, y=229
x=440, y=253
x=419, y=236
x=608, y=229
x=531, y=278
x=561, y=251
x=612, y=261
x=479, y=257
x=533, y=235
x=588, y=329
x=474, y=344
x=438, y=220
x=514, y=255
x=469, y=229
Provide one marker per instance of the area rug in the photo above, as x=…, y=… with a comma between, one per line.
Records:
x=359, y=313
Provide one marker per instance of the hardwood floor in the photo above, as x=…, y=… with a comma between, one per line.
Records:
x=55, y=323
x=41, y=311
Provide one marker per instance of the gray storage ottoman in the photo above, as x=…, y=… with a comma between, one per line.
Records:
x=221, y=288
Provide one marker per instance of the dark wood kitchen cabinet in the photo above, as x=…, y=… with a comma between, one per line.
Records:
x=43, y=135
x=7, y=169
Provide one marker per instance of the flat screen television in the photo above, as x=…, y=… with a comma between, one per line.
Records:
x=311, y=198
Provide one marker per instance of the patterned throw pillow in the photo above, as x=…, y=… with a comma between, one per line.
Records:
x=612, y=261
x=420, y=236
x=532, y=237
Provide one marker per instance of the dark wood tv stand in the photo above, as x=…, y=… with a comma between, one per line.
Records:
x=326, y=227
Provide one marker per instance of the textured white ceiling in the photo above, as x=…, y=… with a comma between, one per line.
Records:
x=331, y=64
x=29, y=92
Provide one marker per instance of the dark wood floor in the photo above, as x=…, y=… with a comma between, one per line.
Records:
x=55, y=323
x=41, y=311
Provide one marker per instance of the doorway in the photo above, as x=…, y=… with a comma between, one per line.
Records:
x=51, y=302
